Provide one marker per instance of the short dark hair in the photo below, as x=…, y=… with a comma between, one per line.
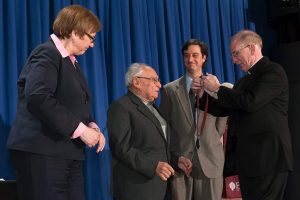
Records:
x=202, y=45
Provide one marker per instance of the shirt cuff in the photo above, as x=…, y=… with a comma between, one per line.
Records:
x=79, y=130
x=93, y=125
x=212, y=94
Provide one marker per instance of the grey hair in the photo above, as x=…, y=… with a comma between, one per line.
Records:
x=134, y=70
x=248, y=36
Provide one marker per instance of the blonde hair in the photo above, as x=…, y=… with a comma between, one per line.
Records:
x=246, y=37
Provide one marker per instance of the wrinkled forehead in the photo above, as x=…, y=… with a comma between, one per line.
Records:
x=149, y=71
x=235, y=44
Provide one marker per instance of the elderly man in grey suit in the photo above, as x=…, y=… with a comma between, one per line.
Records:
x=197, y=156
x=138, y=138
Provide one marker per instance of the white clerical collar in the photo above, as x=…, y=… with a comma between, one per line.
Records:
x=248, y=72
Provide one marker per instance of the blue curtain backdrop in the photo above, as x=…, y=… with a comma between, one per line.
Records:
x=148, y=31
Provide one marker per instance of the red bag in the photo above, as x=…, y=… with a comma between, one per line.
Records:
x=231, y=183
x=232, y=187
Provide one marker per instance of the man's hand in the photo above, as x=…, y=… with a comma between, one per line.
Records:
x=211, y=83
x=164, y=170
x=185, y=165
x=197, y=86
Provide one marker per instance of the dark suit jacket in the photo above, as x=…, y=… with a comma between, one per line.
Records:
x=53, y=100
x=137, y=144
x=259, y=102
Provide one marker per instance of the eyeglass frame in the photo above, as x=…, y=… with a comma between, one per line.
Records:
x=93, y=39
x=236, y=53
x=155, y=80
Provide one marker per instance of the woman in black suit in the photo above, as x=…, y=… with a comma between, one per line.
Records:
x=53, y=121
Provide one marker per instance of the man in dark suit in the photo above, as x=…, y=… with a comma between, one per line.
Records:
x=138, y=139
x=53, y=121
x=259, y=105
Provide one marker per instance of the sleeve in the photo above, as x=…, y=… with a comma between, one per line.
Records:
x=40, y=87
x=267, y=86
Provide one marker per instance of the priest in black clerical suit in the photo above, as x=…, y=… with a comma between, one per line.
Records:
x=259, y=105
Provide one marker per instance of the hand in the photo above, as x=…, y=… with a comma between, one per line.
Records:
x=90, y=137
x=211, y=83
x=185, y=165
x=197, y=86
x=101, y=142
x=164, y=170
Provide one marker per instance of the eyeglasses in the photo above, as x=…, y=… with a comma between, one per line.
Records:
x=236, y=53
x=91, y=37
x=155, y=80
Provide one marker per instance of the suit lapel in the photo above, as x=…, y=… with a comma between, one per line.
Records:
x=83, y=82
x=183, y=99
x=78, y=74
x=141, y=107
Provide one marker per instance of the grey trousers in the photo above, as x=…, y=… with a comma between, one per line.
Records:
x=196, y=187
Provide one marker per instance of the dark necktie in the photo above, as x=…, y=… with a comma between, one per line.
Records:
x=193, y=102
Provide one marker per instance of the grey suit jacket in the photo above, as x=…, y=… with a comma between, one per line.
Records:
x=175, y=107
x=137, y=144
